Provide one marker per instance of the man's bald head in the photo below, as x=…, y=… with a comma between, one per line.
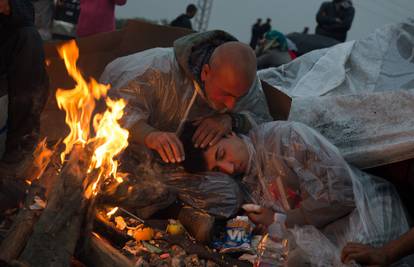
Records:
x=237, y=60
x=230, y=73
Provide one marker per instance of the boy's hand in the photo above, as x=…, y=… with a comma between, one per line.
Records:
x=259, y=215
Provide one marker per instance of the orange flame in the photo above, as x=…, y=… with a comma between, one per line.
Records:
x=112, y=138
x=79, y=103
x=41, y=157
x=112, y=212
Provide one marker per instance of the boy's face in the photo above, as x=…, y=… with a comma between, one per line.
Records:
x=229, y=155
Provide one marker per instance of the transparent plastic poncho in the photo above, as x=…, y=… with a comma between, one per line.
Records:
x=289, y=160
x=159, y=92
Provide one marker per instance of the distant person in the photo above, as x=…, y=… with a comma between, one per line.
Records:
x=184, y=20
x=274, y=50
x=97, y=16
x=255, y=33
x=265, y=27
x=335, y=19
x=305, y=30
x=65, y=19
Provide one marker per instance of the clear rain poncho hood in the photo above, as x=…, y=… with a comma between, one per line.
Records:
x=358, y=94
x=160, y=86
x=288, y=159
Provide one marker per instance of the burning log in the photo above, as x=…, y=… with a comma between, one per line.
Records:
x=21, y=229
x=12, y=192
x=56, y=233
x=104, y=227
x=141, y=195
x=19, y=233
x=14, y=185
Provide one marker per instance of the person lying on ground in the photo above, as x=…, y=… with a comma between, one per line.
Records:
x=287, y=167
x=399, y=252
x=206, y=77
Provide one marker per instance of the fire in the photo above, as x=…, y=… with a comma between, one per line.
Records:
x=79, y=103
x=114, y=139
x=41, y=157
x=112, y=212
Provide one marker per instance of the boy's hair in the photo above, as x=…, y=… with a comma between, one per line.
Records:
x=194, y=158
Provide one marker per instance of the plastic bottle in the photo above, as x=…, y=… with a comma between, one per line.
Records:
x=273, y=249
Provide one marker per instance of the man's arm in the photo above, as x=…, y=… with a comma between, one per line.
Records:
x=137, y=79
x=383, y=256
x=167, y=144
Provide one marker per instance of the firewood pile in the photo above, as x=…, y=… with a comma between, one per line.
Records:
x=51, y=223
x=69, y=205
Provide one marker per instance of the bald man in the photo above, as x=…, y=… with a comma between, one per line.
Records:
x=207, y=78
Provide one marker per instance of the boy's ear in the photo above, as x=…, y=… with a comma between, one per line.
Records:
x=231, y=134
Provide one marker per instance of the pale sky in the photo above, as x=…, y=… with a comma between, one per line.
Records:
x=237, y=16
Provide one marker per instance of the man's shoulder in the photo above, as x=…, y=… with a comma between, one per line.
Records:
x=154, y=58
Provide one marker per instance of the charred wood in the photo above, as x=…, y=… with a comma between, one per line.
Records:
x=108, y=230
x=19, y=233
x=100, y=253
x=56, y=233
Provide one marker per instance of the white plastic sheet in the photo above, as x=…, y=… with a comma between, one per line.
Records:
x=357, y=94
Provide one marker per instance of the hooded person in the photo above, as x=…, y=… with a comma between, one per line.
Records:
x=274, y=50
x=208, y=78
x=335, y=19
x=290, y=168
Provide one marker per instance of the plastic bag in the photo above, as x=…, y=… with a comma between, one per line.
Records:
x=215, y=193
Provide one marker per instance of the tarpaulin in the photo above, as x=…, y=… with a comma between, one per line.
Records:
x=357, y=94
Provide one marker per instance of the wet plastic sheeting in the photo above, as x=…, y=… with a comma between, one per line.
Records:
x=215, y=193
x=357, y=94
